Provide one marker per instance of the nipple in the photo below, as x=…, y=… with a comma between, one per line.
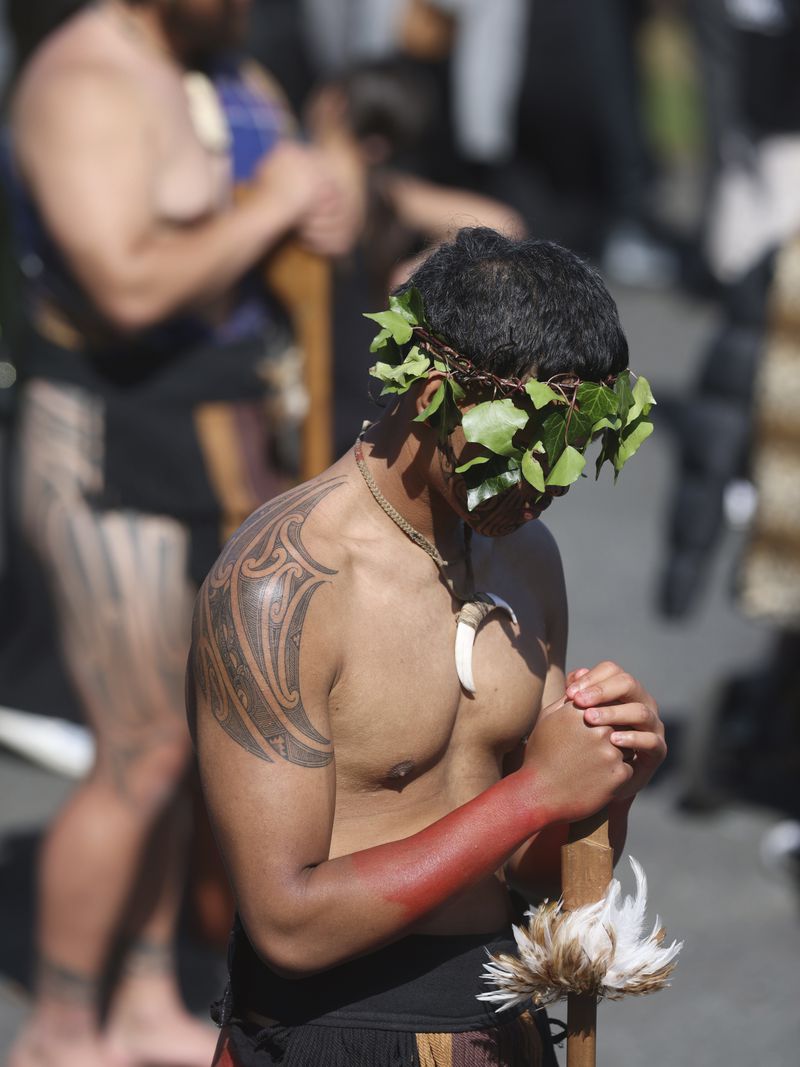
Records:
x=396, y=776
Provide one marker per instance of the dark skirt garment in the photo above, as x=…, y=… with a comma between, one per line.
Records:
x=411, y=1004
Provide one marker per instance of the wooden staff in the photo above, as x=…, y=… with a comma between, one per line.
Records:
x=302, y=282
x=587, y=865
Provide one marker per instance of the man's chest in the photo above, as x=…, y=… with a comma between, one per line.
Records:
x=194, y=174
x=398, y=708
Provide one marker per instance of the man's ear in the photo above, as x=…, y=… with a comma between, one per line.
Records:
x=427, y=390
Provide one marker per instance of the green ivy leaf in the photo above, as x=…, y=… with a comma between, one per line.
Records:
x=474, y=462
x=631, y=440
x=596, y=401
x=568, y=469
x=493, y=487
x=624, y=395
x=578, y=426
x=397, y=378
x=643, y=400
x=435, y=404
x=455, y=389
x=541, y=394
x=608, y=449
x=611, y=423
x=552, y=436
x=399, y=329
x=409, y=306
x=380, y=340
x=493, y=425
x=532, y=471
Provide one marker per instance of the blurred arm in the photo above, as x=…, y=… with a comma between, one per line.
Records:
x=90, y=156
x=440, y=211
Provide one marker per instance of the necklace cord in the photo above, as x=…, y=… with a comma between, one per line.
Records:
x=411, y=532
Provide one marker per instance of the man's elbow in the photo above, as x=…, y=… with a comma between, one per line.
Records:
x=126, y=291
x=129, y=309
x=292, y=956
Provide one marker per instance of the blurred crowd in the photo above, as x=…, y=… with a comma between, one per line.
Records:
x=199, y=199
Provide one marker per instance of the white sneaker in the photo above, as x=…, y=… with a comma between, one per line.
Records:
x=59, y=745
x=780, y=848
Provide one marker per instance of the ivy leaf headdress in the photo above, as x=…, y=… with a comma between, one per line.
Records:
x=559, y=417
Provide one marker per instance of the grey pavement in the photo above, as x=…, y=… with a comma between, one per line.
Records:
x=735, y=997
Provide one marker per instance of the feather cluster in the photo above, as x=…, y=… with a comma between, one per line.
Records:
x=599, y=949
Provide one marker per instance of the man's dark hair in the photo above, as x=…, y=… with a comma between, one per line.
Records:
x=516, y=307
x=387, y=99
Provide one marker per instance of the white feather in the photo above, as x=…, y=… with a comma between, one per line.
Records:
x=608, y=936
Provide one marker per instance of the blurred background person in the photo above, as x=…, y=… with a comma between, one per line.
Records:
x=629, y=116
x=147, y=353
x=371, y=122
x=485, y=44
x=738, y=461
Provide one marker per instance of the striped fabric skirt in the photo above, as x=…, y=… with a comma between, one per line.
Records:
x=411, y=1004
x=521, y=1042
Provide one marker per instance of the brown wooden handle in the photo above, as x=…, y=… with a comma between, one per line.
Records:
x=302, y=282
x=587, y=866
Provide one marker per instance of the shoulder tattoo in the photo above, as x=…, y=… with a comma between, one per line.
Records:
x=248, y=630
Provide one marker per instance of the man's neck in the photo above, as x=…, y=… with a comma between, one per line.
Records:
x=406, y=467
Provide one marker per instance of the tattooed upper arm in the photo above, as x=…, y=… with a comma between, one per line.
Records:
x=248, y=629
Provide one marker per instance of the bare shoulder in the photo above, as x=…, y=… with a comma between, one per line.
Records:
x=532, y=554
x=76, y=72
x=534, y=544
x=262, y=617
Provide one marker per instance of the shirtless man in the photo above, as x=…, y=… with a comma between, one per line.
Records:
x=137, y=203
x=364, y=799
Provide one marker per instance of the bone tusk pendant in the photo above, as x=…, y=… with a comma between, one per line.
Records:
x=469, y=619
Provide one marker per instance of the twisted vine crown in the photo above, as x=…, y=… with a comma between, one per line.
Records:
x=560, y=417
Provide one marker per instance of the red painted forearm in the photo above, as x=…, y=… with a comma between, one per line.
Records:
x=353, y=904
x=423, y=871
x=536, y=867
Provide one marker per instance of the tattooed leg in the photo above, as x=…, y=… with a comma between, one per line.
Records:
x=123, y=605
x=62, y=1031
x=147, y=1018
x=66, y=985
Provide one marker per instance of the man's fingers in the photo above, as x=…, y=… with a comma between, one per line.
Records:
x=638, y=741
x=575, y=675
x=618, y=687
x=634, y=715
x=593, y=677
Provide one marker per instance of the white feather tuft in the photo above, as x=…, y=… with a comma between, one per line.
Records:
x=599, y=948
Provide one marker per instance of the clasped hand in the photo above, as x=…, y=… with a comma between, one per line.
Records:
x=609, y=696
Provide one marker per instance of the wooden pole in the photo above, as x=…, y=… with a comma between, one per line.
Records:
x=587, y=865
x=302, y=281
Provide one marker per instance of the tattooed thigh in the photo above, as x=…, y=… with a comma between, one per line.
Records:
x=125, y=604
x=119, y=583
